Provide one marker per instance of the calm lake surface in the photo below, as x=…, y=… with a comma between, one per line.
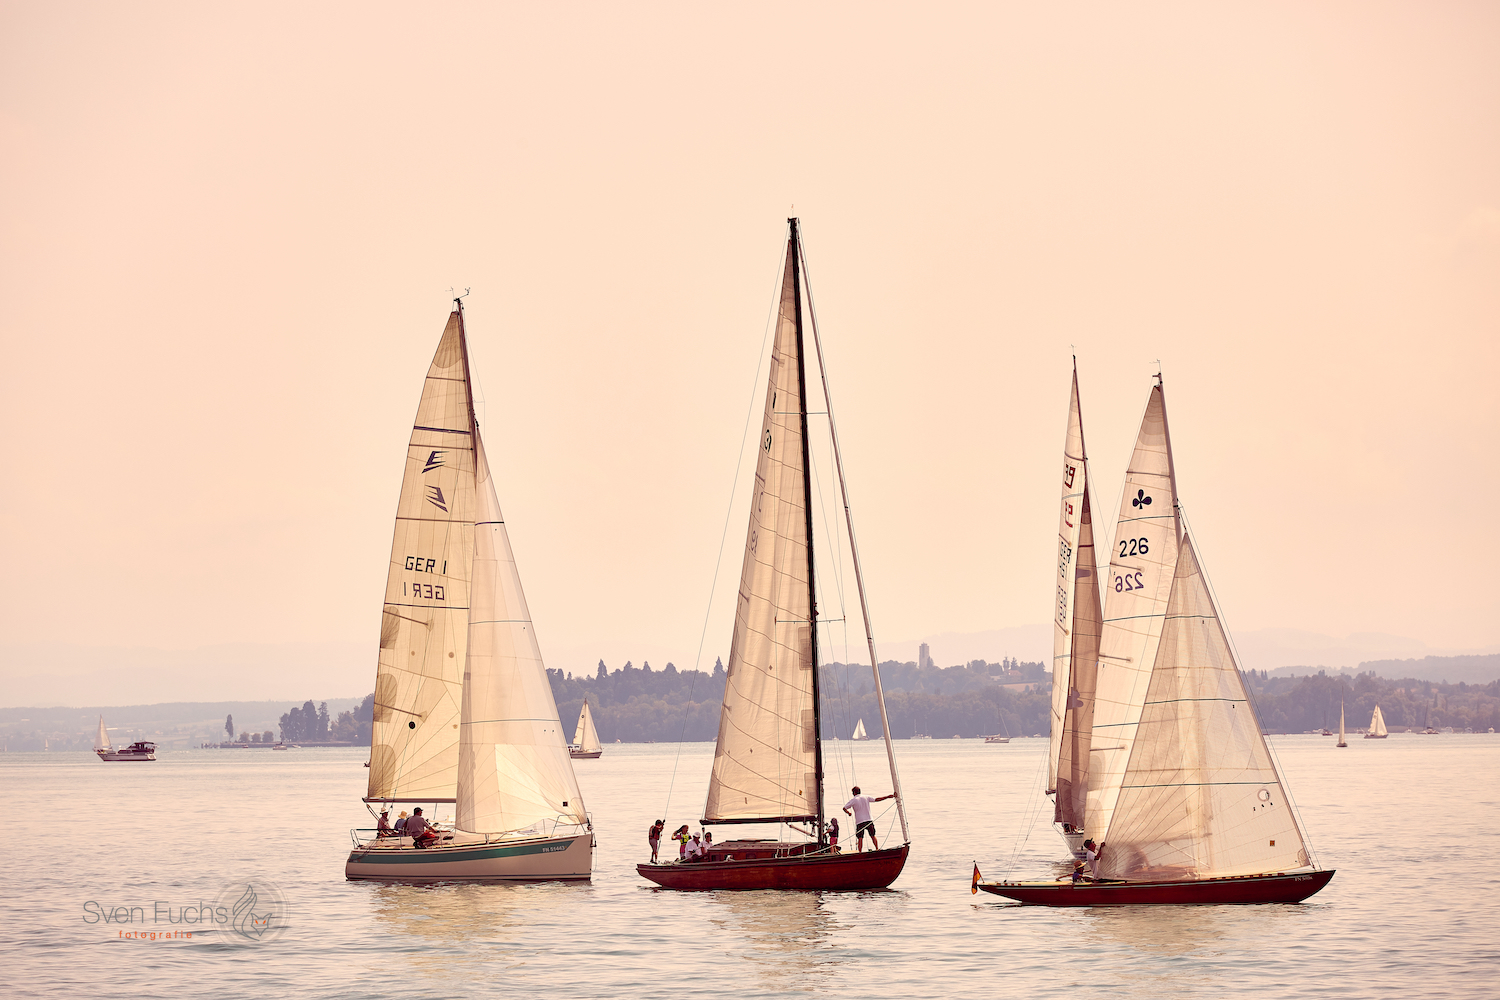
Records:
x=1412, y=824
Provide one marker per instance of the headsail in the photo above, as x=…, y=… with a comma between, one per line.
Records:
x=101, y=742
x=424, y=630
x=514, y=770
x=1137, y=585
x=1075, y=630
x=586, y=737
x=1200, y=797
x=765, y=764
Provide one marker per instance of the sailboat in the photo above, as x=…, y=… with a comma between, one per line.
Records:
x=464, y=714
x=140, y=750
x=586, y=745
x=859, y=731
x=1377, y=726
x=1196, y=812
x=1342, y=741
x=768, y=763
x=1075, y=638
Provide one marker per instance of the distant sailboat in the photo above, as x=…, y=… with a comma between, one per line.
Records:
x=463, y=710
x=140, y=750
x=859, y=731
x=1377, y=726
x=1076, y=627
x=1342, y=741
x=768, y=760
x=586, y=745
x=1197, y=813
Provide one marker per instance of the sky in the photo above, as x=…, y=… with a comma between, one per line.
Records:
x=229, y=236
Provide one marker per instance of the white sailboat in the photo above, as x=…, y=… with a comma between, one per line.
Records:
x=586, y=745
x=464, y=713
x=859, y=731
x=1076, y=626
x=1198, y=812
x=1342, y=741
x=1377, y=726
x=140, y=750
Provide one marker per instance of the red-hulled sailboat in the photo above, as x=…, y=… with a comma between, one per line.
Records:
x=768, y=766
x=1182, y=787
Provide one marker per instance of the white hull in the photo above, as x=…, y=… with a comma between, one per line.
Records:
x=997, y=739
x=124, y=755
x=578, y=754
x=541, y=859
x=1074, y=842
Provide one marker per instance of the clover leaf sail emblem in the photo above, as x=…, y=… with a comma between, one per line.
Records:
x=1140, y=499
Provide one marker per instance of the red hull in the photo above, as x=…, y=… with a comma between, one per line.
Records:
x=831, y=872
x=1239, y=889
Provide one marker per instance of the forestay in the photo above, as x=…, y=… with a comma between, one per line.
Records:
x=765, y=761
x=424, y=628
x=1075, y=630
x=1137, y=585
x=514, y=770
x=1200, y=797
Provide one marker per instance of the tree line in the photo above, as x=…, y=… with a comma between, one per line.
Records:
x=1298, y=704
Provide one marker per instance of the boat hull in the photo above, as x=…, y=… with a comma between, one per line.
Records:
x=110, y=755
x=1074, y=841
x=1375, y=736
x=584, y=754
x=1278, y=888
x=808, y=872
x=543, y=859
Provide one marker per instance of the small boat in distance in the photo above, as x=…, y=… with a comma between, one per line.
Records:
x=768, y=765
x=1377, y=726
x=859, y=731
x=1342, y=741
x=586, y=745
x=139, y=750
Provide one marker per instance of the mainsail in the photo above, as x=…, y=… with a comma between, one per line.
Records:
x=513, y=766
x=1075, y=630
x=766, y=765
x=424, y=629
x=1200, y=796
x=586, y=737
x=1377, y=723
x=1141, y=562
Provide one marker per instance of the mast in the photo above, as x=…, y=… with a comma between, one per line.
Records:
x=812, y=590
x=859, y=580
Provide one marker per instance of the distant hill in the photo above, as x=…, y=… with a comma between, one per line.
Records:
x=178, y=723
x=1476, y=669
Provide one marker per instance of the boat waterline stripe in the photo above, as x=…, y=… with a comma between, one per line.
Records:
x=440, y=430
x=439, y=855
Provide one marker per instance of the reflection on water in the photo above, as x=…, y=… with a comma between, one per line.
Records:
x=788, y=937
x=448, y=930
x=1164, y=931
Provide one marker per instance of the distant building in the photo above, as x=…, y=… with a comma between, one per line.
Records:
x=924, y=657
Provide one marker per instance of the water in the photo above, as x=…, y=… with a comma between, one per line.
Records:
x=1410, y=823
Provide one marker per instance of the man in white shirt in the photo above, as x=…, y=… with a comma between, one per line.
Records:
x=859, y=808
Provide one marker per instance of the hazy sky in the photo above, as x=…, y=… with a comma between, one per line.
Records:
x=229, y=234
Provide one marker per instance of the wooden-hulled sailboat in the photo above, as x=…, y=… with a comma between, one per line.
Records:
x=1377, y=726
x=586, y=745
x=1198, y=813
x=1343, y=742
x=768, y=764
x=464, y=713
x=1076, y=626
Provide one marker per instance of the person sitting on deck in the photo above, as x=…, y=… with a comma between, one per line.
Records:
x=383, y=826
x=708, y=842
x=400, y=829
x=419, y=830
x=695, y=848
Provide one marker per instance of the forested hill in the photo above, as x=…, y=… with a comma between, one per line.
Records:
x=639, y=704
